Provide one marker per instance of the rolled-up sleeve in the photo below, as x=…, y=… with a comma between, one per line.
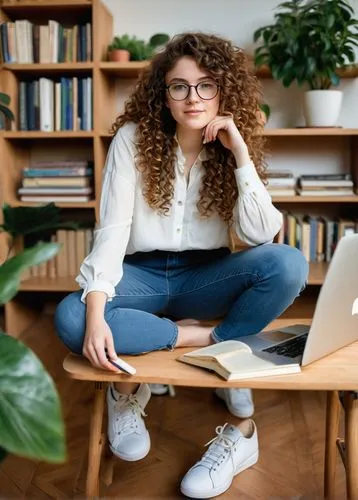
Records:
x=256, y=220
x=102, y=269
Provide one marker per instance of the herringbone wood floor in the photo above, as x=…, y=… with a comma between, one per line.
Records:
x=290, y=428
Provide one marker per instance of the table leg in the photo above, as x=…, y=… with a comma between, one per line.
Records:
x=95, y=442
x=351, y=441
x=332, y=423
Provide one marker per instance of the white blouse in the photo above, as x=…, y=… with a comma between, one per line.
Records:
x=127, y=223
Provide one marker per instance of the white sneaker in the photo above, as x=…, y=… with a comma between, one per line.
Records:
x=233, y=450
x=238, y=401
x=158, y=389
x=127, y=434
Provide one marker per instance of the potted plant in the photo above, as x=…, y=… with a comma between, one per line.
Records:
x=308, y=42
x=118, y=49
x=136, y=49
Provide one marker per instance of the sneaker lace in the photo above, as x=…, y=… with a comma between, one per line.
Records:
x=128, y=421
x=218, y=449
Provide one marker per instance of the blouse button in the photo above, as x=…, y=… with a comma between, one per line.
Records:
x=180, y=203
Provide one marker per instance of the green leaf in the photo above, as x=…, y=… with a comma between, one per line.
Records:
x=10, y=271
x=266, y=109
x=30, y=412
x=158, y=39
x=7, y=112
x=33, y=220
x=4, y=98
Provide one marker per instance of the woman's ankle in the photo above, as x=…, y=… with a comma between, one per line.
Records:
x=125, y=387
x=194, y=336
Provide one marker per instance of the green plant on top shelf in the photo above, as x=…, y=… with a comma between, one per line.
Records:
x=308, y=42
x=138, y=49
x=120, y=42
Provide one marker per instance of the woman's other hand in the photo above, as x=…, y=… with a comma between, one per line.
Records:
x=98, y=342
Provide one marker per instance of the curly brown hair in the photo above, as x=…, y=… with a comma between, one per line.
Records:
x=240, y=94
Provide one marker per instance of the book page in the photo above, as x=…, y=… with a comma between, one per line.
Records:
x=246, y=362
x=220, y=350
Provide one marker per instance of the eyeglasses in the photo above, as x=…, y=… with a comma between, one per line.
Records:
x=205, y=90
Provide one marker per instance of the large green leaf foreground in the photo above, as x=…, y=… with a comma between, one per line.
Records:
x=10, y=271
x=30, y=414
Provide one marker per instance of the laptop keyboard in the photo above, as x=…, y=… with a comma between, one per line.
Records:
x=290, y=348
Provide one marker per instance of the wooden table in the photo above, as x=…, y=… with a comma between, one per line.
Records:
x=336, y=372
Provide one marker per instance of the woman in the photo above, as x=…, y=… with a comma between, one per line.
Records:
x=185, y=166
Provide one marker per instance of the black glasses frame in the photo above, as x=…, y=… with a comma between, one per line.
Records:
x=167, y=87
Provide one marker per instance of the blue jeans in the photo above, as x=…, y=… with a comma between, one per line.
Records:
x=247, y=290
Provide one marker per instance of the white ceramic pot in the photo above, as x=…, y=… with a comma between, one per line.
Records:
x=321, y=108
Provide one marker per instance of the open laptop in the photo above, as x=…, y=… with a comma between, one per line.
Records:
x=335, y=319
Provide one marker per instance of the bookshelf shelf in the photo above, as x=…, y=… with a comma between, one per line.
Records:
x=309, y=132
x=294, y=132
x=36, y=134
x=346, y=72
x=124, y=70
x=315, y=199
x=66, y=284
x=11, y=6
x=88, y=204
x=132, y=69
x=317, y=272
x=76, y=67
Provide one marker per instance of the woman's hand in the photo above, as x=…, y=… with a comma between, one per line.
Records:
x=224, y=129
x=97, y=340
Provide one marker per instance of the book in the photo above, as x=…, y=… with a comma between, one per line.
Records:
x=55, y=198
x=234, y=360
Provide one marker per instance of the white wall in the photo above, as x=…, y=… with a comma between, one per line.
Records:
x=237, y=20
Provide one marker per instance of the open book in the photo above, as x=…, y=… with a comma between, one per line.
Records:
x=234, y=360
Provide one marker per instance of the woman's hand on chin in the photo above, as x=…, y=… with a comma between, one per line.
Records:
x=224, y=129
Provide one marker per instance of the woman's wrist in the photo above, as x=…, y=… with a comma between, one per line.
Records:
x=95, y=302
x=242, y=156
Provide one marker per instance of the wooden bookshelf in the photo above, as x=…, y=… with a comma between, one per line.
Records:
x=76, y=67
x=315, y=199
x=37, y=134
x=308, y=132
x=16, y=146
x=132, y=69
x=68, y=284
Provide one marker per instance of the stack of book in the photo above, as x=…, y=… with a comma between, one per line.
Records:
x=326, y=185
x=24, y=42
x=281, y=183
x=57, y=181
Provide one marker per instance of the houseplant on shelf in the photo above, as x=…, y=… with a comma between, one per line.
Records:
x=135, y=48
x=118, y=49
x=308, y=42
